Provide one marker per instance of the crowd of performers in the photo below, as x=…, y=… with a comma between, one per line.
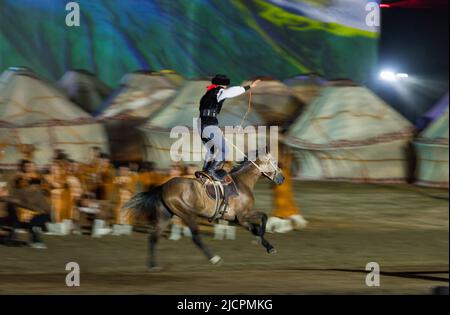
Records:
x=70, y=186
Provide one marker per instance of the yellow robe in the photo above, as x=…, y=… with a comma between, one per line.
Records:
x=75, y=193
x=59, y=196
x=125, y=188
x=284, y=197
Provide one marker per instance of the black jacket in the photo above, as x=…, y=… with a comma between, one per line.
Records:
x=209, y=101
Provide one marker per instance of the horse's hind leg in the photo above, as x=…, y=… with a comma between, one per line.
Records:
x=193, y=226
x=155, y=233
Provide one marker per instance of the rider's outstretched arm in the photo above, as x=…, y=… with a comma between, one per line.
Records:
x=231, y=92
x=235, y=91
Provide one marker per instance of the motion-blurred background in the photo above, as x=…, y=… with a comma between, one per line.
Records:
x=86, y=111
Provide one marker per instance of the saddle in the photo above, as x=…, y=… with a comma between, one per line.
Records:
x=220, y=191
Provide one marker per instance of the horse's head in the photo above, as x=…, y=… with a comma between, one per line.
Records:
x=269, y=168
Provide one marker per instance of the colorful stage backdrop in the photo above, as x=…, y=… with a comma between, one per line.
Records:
x=243, y=38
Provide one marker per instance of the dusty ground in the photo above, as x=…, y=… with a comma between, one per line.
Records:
x=403, y=228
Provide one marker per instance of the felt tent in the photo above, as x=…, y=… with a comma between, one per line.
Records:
x=348, y=133
x=274, y=101
x=140, y=94
x=306, y=87
x=432, y=154
x=434, y=113
x=32, y=112
x=84, y=89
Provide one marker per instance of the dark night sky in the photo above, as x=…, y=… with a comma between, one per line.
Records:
x=415, y=41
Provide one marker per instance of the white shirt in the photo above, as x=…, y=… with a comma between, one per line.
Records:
x=230, y=92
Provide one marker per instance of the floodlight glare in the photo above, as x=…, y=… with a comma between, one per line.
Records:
x=388, y=75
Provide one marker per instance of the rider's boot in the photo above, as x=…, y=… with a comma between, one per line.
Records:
x=215, y=171
x=206, y=166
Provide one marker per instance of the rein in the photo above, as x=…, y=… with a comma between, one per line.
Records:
x=249, y=105
x=256, y=165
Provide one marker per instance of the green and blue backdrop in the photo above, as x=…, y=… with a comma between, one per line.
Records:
x=242, y=38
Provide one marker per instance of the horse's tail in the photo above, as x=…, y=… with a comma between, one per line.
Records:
x=145, y=203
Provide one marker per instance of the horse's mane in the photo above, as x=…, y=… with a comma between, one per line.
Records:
x=240, y=166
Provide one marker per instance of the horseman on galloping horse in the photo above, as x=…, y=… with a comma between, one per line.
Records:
x=218, y=185
x=210, y=105
x=188, y=199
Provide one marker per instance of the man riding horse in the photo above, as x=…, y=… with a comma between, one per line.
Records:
x=210, y=106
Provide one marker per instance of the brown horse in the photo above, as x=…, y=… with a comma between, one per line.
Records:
x=187, y=199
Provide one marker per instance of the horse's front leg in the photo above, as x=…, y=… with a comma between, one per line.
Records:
x=256, y=222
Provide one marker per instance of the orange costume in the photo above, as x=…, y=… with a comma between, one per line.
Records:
x=75, y=194
x=125, y=184
x=59, y=194
x=284, y=198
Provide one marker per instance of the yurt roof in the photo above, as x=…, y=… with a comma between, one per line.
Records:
x=434, y=113
x=26, y=100
x=347, y=115
x=140, y=94
x=437, y=132
x=304, y=80
x=306, y=87
x=184, y=107
x=173, y=76
x=273, y=100
x=84, y=88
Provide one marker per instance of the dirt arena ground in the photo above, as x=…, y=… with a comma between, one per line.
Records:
x=402, y=228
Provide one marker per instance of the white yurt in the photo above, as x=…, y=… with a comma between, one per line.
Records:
x=140, y=94
x=306, y=87
x=84, y=89
x=274, y=101
x=432, y=154
x=32, y=112
x=348, y=133
x=181, y=112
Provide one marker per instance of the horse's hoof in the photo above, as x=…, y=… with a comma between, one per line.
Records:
x=155, y=269
x=272, y=251
x=215, y=260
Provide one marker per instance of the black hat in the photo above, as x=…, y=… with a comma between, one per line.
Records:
x=220, y=79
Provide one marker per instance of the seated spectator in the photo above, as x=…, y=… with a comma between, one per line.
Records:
x=11, y=219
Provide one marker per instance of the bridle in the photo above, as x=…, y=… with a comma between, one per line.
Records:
x=275, y=171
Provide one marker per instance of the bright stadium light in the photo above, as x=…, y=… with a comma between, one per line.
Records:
x=391, y=76
x=388, y=75
x=402, y=75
